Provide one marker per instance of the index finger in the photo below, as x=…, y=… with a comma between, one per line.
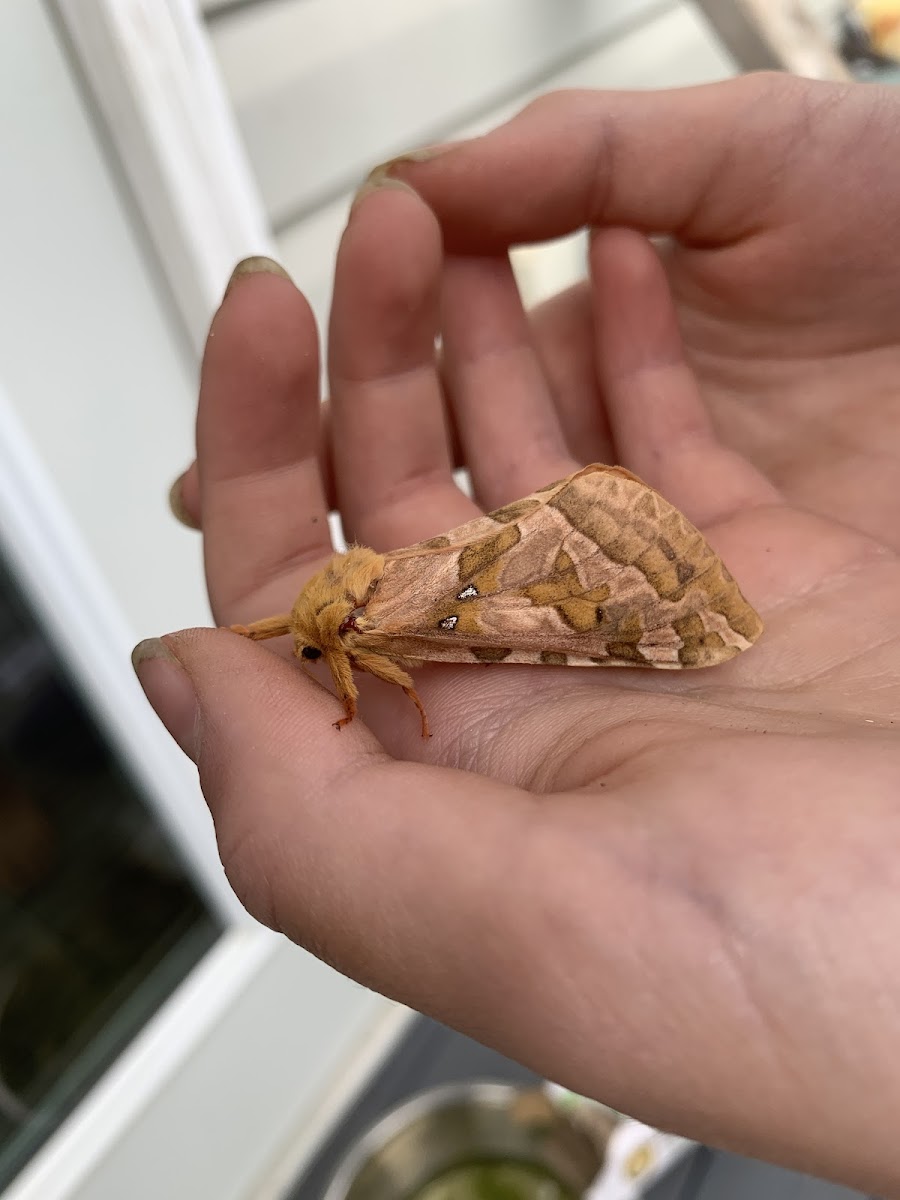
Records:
x=264, y=513
x=698, y=162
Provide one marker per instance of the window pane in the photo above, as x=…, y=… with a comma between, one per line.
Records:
x=98, y=919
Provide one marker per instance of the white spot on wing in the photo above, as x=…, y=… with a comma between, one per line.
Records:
x=468, y=592
x=448, y=623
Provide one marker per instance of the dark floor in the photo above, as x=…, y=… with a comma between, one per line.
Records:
x=431, y=1054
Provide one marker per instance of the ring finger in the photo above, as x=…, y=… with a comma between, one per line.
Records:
x=508, y=426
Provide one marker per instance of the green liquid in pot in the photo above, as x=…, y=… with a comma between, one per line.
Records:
x=495, y=1181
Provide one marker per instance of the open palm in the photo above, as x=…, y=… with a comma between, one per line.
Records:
x=674, y=891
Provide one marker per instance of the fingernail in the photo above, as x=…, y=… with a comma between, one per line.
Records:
x=171, y=694
x=379, y=183
x=257, y=264
x=177, y=505
x=380, y=177
x=420, y=155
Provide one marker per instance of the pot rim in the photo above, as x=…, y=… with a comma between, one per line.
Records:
x=488, y=1091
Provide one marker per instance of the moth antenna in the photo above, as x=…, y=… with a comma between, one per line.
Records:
x=269, y=627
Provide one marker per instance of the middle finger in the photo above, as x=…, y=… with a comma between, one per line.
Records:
x=392, y=459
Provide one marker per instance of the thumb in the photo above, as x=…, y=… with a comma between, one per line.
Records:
x=368, y=862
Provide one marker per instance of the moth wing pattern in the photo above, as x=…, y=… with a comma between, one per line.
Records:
x=594, y=570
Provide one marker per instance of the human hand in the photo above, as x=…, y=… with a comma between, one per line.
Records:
x=675, y=892
x=781, y=197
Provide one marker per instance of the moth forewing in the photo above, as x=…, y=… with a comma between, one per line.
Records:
x=593, y=570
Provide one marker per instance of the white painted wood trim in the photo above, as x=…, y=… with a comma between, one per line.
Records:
x=155, y=83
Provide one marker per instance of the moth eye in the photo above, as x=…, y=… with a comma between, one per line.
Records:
x=448, y=623
x=599, y=615
x=311, y=652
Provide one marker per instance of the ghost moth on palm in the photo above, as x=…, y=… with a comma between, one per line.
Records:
x=595, y=570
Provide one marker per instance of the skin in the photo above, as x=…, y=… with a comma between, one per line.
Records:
x=678, y=894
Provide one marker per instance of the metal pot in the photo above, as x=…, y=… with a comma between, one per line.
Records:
x=459, y=1124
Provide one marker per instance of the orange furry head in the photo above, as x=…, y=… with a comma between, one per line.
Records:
x=325, y=611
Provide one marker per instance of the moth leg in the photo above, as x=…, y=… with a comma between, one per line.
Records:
x=269, y=627
x=342, y=674
x=414, y=696
x=349, y=703
x=384, y=668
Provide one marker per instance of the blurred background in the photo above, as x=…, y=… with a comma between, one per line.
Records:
x=154, y=1042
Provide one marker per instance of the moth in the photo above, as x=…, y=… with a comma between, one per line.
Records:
x=595, y=570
